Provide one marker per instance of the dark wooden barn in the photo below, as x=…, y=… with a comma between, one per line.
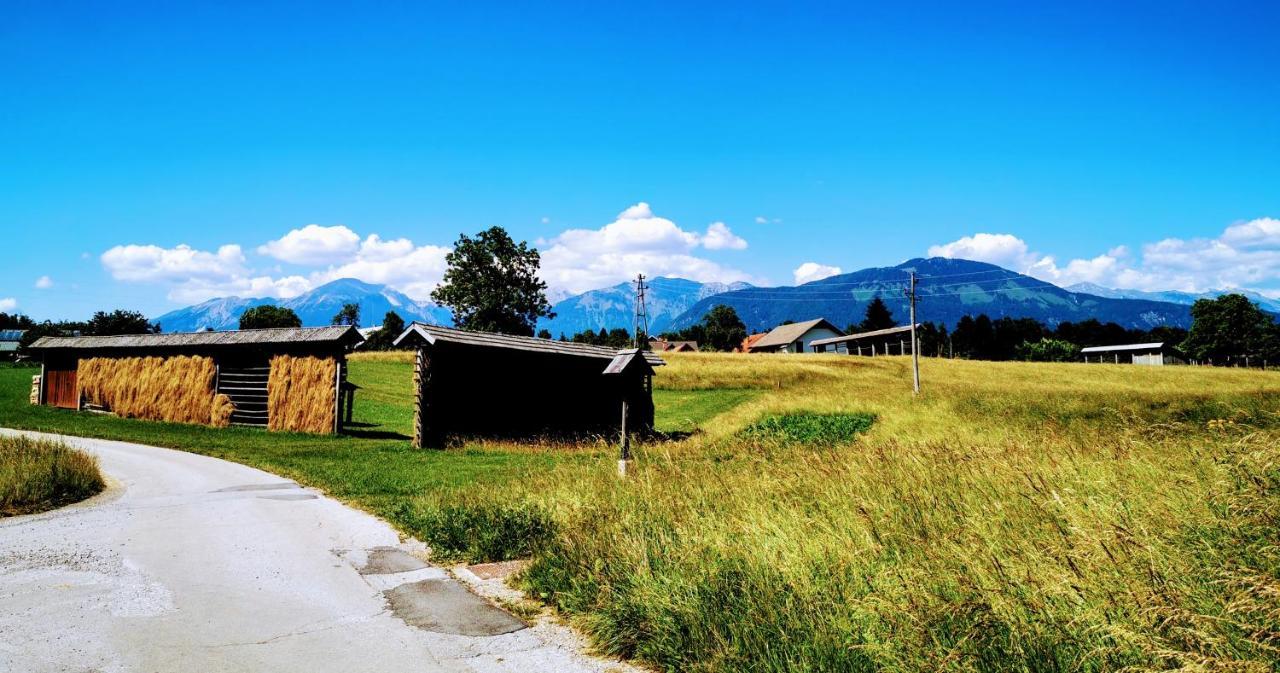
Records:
x=479, y=383
x=285, y=379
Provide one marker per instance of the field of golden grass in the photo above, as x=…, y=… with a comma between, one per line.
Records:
x=1015, y=516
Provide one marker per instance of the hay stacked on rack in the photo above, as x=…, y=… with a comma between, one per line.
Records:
x=301, y=394
x=220, y=417
x=178, y=389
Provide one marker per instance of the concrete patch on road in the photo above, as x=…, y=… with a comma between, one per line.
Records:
x=445, y=606
x=257, y=487
x=289, y=496
x=389, y=560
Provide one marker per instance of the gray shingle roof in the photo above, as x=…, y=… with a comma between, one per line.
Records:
x=338, y=334
x=435, y=334
x=785, y=334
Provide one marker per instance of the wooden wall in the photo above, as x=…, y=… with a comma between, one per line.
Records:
x=511, y=393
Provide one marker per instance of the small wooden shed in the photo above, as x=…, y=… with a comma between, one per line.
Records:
x=284, y=379
x=486, y=384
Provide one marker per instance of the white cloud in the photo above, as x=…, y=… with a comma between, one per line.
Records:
x=44, y=283
x=811, y=271
x=718, y=237
x=545, y=220
x=8, y=303
x=197, y=290
x=412, y=269
x=1263, y=232
x=313, y=245
x=1245, y=255
x=145, y=263
x=196, y=275
x=636, y=242
x=1000, y=249
x=761, y=219
x=577, y=260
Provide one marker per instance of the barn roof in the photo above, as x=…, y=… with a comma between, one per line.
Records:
x=433, y=334
x=864, y=335
x=624, y=359
x=785, y=334
x=1157, y=345
x=338, y=334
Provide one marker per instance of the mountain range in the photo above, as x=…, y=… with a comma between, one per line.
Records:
x=610, y=307
x=948, y=289
x=315, y=308
x=1176, y=297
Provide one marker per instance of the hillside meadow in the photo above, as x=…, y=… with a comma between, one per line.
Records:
x=806, y=513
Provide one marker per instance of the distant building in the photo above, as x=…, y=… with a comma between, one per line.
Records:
x=9, y=339
x=661, y=345
x=891, y=341
x=1152, y=354
x=796, y=337
x=750, y=341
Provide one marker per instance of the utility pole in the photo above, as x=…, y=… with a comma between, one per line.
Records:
x=642, y=314
x=915, y=343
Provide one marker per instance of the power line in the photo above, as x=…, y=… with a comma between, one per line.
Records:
x=642, y=314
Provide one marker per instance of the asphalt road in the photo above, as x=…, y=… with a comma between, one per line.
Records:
x=190, y=563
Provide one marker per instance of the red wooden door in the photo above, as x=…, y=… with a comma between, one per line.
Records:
x=60, y=389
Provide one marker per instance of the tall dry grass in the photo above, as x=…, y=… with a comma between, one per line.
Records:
x=178, y=389
x=38, y=474
x=1017, y=516
x=300, y=394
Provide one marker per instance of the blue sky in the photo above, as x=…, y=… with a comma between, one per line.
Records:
x=159, y=154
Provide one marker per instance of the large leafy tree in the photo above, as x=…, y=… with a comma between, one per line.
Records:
x=349, y=315
x=262, y=317
x=120, y=322
x=15, y=321
x=723, y=329
x=877, y=317
x=492, y=284
x=1230, y=327
x=384, y=338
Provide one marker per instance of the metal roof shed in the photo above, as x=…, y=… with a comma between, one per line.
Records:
x=1156, y=353
x=481, y=383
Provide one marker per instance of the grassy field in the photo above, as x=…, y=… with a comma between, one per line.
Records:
x=37, y=475
x=1041, y=517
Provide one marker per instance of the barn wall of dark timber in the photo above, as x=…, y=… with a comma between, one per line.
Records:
x=467, y=390
x=242, y=374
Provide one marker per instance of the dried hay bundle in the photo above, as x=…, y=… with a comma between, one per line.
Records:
x=220, y=415
x=300, y=394
x=178, y=389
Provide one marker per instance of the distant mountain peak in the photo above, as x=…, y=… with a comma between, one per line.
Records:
x=614, y=306
x=315, y=307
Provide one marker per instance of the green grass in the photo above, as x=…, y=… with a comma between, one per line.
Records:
x=38, y=475
x=680, y=411
x=811, y=429
x=1015, y=516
